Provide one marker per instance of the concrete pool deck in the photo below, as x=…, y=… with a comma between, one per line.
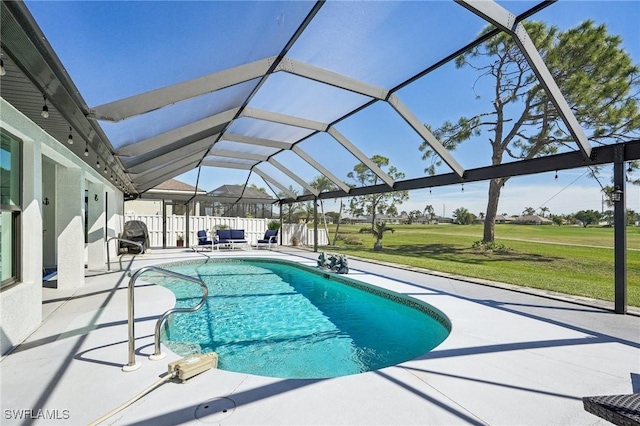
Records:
x=511, y=358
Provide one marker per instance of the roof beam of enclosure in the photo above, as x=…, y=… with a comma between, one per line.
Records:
x=169, y=175
x=293, y=176
x=321, y=75
x=155, y=158
x=337, y=80
x=422, y=130
x=236, y=154
x=566, y=161
x=255, y=141
x=360, y=156
x=272, y=181
x=227, y=165
x=168, y=158
x=145, y=177
x=156, y=99
x=321, y=127
x=306, y=157
x=506, y=21
x=200, y=129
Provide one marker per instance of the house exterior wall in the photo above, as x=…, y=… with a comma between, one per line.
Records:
x=21, y=303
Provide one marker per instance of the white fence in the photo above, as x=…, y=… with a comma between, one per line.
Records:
x=254, y=229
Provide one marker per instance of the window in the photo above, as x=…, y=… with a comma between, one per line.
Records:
x=10, y=207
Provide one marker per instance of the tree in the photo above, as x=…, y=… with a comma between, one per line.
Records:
x=322, y=183
x=588, y=217
x=258, y=188
x=543, y=210
x=413, y=215
x=529, y=211
x=557, y=219
x=378, y=231
x=291, y=211
x=372, y=204
x=429, y=211
x=592, y=70
x=463, y=216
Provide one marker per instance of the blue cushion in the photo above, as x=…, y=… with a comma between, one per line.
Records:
x=237, y=234
x=202, y=238
x=271, y=236
x=223, y=234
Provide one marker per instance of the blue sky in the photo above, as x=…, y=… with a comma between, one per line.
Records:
x=110, y=54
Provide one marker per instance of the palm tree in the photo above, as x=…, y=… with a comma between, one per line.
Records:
x=428, y=210
x=378, y=231
x=322, y=184
x=543, y=210
x=293, y=209
x=529, y=211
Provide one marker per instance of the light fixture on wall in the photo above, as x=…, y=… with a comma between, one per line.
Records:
x=98, y=163
x=45, y=109
x=70, y=138
x=105, y=170
x=45, y=201
x=86, y=149
x=3, y=71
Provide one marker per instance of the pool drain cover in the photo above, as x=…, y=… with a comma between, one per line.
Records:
x=214, y=410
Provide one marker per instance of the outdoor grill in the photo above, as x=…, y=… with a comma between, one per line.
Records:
x=134, y=230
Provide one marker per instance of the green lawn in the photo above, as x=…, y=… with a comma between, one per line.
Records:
x=570, y=260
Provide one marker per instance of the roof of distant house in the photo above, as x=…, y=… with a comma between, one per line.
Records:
x=236, y=191
x=176, y=185
x=533, y=218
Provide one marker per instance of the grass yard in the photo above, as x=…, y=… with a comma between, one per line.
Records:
x=570, y=260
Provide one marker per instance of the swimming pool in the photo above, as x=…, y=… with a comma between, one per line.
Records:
x=281, y=319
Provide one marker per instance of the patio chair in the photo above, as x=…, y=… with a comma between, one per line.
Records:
x=203, y=241
x=270, y=237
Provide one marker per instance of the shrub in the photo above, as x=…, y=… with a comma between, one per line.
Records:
x=273, y=225
x=349, y=240
x=485, y=247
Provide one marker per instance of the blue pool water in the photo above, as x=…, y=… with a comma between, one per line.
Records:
x=283, y=320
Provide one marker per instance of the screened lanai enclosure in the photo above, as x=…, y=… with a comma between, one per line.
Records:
x=290, y=96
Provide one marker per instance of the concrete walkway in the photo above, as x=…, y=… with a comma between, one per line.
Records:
x=511, y=358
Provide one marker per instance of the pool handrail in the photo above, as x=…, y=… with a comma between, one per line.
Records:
x=131, y=365
x=137, y=243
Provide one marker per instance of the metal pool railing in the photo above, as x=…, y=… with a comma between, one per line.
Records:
x=132, y=365
x=120, y=257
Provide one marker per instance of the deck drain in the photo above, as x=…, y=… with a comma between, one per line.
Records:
x=214, y=410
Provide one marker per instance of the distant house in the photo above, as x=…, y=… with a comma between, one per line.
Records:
x=533, y=219
x=237, y=201
x=224, y=201
x=171, y=193
x=504, y=219
x=441, y=220
x=368, y=219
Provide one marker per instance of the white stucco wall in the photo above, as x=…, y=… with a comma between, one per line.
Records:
x=21, y=304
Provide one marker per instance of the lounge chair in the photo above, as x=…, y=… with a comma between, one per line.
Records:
x=270, y=237
x=203, y=241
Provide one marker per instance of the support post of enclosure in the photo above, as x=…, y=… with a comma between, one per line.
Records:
x=620, y=230
x=315, y=224
x=281, y=224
